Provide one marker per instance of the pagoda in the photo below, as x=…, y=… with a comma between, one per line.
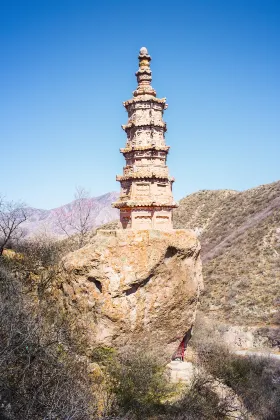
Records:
x=146, y=200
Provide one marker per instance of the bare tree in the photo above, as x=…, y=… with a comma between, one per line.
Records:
x=12, y=215
x=78, y=219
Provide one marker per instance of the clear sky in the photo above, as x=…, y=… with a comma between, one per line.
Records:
x=66, y=66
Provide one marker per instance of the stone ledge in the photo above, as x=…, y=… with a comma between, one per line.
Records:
x=152, y=234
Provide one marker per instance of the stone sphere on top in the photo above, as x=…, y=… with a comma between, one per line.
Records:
x=143, y=51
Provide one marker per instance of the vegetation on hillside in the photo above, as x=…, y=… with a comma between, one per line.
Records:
x=40, y=375
x=255, y=380
x=240, y=239
x=48, y=371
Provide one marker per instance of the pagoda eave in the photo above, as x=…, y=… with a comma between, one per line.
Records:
x=146, y=204
x=133, y=124
x=144, y=98
x=142, y=176
x=143, y=148
x=145, y=71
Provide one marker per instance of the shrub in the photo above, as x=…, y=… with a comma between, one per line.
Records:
x=39, y=262
x=139, y=383
x=103, y=355
x=201, y=401
x=255, y=379
x=39, y=377
x=40, y=252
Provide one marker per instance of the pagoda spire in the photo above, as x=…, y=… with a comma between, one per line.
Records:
x=144, y=74
x=146, y=200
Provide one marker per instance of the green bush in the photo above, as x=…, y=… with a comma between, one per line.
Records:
x=103, y=355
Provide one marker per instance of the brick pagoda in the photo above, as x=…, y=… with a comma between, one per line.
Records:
x=146, y=200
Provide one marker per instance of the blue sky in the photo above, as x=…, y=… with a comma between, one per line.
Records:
x=66, y=67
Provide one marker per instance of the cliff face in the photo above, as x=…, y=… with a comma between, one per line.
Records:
x=135, y=286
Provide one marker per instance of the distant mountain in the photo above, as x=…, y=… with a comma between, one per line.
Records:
x=41, y=221
x=240, y=240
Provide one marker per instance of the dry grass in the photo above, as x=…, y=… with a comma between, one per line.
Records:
x=240, y=238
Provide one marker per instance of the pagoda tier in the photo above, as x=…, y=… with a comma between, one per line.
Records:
x=146, y=199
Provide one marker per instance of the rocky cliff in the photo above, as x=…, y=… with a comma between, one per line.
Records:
x=135, y=287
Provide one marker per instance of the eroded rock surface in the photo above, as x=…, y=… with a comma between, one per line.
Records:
x=135, y=287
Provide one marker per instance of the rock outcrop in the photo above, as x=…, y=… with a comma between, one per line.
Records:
x=129, y=287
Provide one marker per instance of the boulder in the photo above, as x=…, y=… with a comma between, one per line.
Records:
x=135, y=287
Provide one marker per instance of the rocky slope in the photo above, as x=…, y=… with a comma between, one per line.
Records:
x=44, y=221
x=240, y=240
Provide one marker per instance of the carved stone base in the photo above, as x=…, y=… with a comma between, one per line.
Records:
x=146, y=218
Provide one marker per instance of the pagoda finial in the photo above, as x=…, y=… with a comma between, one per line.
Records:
x=144, y=74
x=143, y=51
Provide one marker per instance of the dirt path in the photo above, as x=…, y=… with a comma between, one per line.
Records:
x=275, y=356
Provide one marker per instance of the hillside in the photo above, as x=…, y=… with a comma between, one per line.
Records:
x=71, y=319
x=240, y=238
x=45, y=220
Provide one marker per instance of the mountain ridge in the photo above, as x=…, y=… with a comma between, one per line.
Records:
x=44, y=221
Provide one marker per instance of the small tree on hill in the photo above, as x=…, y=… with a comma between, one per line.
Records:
x=12, y=215
x=78, y=219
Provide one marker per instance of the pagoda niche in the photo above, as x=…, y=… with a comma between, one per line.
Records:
x=146, y=199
